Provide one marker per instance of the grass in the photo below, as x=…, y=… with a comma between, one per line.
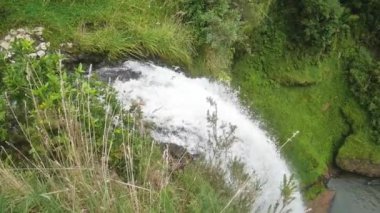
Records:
x=293, y=92
x=357, y=146
x=72, y=176
x=79, y=151
x=314, y=111
x=115, y=28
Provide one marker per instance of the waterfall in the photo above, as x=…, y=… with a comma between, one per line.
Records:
x=178, y=106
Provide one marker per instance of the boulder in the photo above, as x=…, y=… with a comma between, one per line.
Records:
x=359, y=155
x=359, y=166
x=122, y=74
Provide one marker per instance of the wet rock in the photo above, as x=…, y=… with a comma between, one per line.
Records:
x=175, y=150
x=123, y=74
x=73, y=59
x=359, y=166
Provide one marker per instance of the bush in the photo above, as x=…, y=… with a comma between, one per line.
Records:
x=317, y=23
x=364, y=78
x=218, y=28
x=366, y=14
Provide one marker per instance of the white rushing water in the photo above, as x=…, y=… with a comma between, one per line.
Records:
x=178, y=106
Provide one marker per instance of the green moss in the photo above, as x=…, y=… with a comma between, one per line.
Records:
x=360, y=144
x=292, y=91
x=313, y=110
x=360, y=147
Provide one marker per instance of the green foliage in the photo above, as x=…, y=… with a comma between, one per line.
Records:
x=360, y=144
x=365, y=20
x=218, y=28
x=288, y=188
x=364, y=77
x=359, y=147
x=317, y=23
x=216, y=21
x=313, y=110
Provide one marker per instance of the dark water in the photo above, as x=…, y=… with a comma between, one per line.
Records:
x=355, y=195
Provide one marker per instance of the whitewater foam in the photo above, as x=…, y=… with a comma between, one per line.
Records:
x=179, y=105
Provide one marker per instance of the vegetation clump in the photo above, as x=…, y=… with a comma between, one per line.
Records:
x=364, y=76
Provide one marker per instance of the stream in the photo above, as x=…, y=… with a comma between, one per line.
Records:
x=353, y=194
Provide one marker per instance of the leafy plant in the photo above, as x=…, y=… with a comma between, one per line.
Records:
x=317, y=23
x=365, y=20
x=221, y=135
x=218, y=28
x=287, y=197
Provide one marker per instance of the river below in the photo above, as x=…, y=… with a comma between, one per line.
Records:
x=355, y=194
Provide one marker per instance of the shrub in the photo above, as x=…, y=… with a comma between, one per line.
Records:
x=218, y=28
x=366, y=14
x=364, y=78
x=317, y=23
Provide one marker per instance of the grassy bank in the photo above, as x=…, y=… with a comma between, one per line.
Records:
x=114, y=29
x=292, y=92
